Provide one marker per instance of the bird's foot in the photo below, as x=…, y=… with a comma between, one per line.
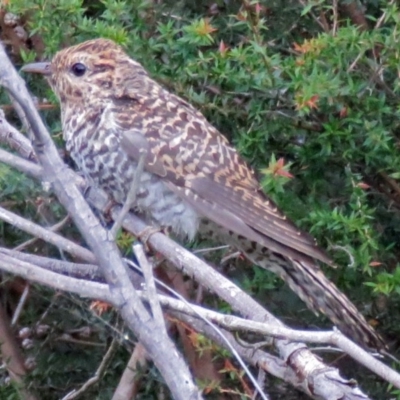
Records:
x=145, y=234
x=107, y=209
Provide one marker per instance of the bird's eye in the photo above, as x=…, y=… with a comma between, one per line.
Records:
x=78, y=69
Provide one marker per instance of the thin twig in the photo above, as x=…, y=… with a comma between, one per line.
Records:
x=210, y=249
x=335, y=17
x=354, y=63
x=260, y=379
x=99, y=372
x=21, y=303
x=131, y=197
x=77, y=270
x=347, y=251
x=54, y=228
x=21, y=115
x=228, y=257
x=150, y=286
x=315, y=18
x=34, y=273
x=383, y=16
x=65, y=337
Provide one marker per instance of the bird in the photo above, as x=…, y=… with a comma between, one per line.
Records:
x=194, y=181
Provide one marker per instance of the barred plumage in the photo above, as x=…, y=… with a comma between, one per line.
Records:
x=193, y=180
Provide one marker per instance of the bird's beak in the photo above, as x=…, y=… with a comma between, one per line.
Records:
x=43, y=68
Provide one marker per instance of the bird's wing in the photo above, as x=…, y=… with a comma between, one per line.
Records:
x=198, y=163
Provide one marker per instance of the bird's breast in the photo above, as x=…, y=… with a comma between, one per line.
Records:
x=99, y=155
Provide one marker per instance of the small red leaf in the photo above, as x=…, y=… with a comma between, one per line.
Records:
x=363, y=185
x=375, y=264
x=223, y=48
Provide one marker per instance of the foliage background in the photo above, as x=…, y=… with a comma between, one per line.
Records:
x=309, y=94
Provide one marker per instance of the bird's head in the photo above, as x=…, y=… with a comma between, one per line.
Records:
x=90, y=71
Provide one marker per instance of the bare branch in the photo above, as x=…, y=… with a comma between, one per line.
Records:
x=27, y=167
x=36, y=274
x=232, y=323
x=127, y=386
x=77, y=270
x=47, y=235
x=53, y=228
x=17, y=141
x=328, y=385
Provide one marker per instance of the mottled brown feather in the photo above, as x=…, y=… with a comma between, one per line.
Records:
x=228, y=183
